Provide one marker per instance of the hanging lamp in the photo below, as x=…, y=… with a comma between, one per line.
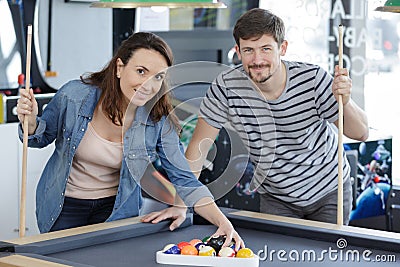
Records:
x=390, y=6
x=164, y=3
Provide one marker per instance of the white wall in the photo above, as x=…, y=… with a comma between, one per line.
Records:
x=81, y=39
x=10, y=179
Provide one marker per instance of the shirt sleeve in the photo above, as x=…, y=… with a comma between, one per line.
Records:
x=214, y=107
x=47, y=125
x=173, y=161
x=325, y=101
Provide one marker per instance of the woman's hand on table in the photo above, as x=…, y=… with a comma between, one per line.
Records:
x=177, y=214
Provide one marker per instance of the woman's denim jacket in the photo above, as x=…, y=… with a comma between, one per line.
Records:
x=65, y=120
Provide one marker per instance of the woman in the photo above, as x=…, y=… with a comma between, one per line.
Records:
x=107, y=128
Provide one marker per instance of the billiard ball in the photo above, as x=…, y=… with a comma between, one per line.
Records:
x=182, y=244
x=205, y=239
x=226, y=252
x=216, y=242
x=232, y=245
x=189, y=250
x=207, y=251
x=171, y=249
x=193, y=242
x=244, y=253
x=200, y=245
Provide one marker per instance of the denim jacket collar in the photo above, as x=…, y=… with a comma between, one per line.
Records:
x=143, y=116
x=88, y=106
x=89, y=103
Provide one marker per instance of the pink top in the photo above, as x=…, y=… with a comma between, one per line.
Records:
x=95, y=168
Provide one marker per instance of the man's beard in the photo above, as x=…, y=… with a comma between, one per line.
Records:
x=263, y=79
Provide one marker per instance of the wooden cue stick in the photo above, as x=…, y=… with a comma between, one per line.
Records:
x=25, y=138
x=340, y=138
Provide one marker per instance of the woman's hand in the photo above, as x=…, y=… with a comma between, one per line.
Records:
x=27, y=108
x=177, y=214
x=226, y=229
x=207, y=209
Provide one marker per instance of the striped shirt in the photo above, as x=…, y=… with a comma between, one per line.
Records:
x=291, y=140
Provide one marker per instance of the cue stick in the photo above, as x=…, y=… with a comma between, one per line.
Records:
x=340, y=138
x=25, y=139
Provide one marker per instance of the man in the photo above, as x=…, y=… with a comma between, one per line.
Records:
x=285, y=113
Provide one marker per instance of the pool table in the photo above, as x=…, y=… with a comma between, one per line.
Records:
x=279, y=241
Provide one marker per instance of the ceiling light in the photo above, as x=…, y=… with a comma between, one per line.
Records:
x=165, y=3
x=390, y=6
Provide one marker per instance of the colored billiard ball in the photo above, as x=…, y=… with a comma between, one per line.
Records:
x=216, y=242
x=189, y=250
x=200, y=245
x=182, y=244
x=226, y=252
x=205, y=239
x=193, y=242
x=207, y=251
x=244, y=253
x=171, y=249
x=232, y=245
